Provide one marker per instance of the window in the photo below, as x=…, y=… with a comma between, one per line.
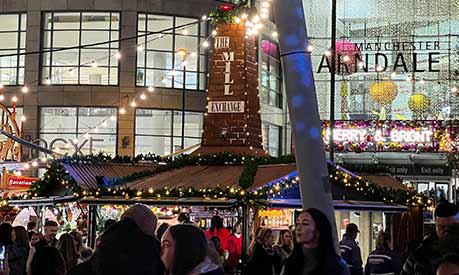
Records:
x=96, y=65
x=160, y=131
x=92, y=129
x=272, y=138
x=12, y=43
x=157, y=58
x=270, y=80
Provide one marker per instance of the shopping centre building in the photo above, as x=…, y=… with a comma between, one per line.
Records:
x=395, y=78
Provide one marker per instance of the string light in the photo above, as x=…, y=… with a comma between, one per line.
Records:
x=14, y=99
x=214, y=32
x=204, y=17
x=164, y=80
x=205, y=44
x=274, y=34
x=25, y=89
x=133, y=104
x=143, y=96
x=122, y=111
x=48, y=81
x=34, y=163
x=44, y=159
x=113, y=118
x=140, y=48
x=94, y=64
x=2, y=97
x=118, y=55
x=2, y=86
x=23, y=118
x=151, y=89
x=244, y=16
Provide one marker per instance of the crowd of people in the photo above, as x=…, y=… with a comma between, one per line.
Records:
x=136, y=245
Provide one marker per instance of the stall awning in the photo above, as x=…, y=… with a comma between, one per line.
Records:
x=386, y=181
x=163, y=202
x=210, y=176
x=342, y=205
x=85, y=174
x=42, y=201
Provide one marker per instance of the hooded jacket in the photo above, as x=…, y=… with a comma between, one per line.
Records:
x=350, y=251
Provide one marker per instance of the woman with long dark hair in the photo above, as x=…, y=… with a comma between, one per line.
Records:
x=19, y=251
x=68, y=251
x=184, y=251
x=217, y=229
x=314, y=251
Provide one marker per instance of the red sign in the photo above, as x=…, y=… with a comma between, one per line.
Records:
x=20, y=182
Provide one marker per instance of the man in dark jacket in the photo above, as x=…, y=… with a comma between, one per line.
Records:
x=423, y=260
x=128, y=247
x=383, y=260
x=350, y=250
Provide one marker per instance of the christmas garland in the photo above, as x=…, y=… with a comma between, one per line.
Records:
x=227, y=14
x=56, y=175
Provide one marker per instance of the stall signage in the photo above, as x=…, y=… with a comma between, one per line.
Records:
x=394, y=135
x=226, y=107
x=20, y=181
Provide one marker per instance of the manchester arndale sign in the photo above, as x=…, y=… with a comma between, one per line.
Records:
x=223, y=42
x=417, y=57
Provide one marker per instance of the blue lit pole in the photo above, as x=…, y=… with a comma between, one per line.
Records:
x=303, y=109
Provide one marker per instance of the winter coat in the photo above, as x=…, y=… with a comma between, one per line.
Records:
x=383, y=261
x=350, y=251
x=331, y=265
x=262, y=261
x=222, y=234
x=17, y=259
x=282, y=254
x=424, y=258
x=124, y=250
x=234, y=250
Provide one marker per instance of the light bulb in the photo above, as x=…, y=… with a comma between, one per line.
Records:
x=164, y=80
x=23, y=118
x=14, y=99
x=94, y=64
x=118, y=55
x=2, y=97
x=34, y=163
x=113, y=118
x=185, y=32
x=274, y=34
x=122, y=111
x=214, y=32
x=143, y=96
x=151, y=89
x=140, y=48
x=204, y=17
x=310, y=48
x=44, y=159
x=104, y=123
x=133, y=104
x=328, y=53
x=237, y=20
x=27, y=166
x=205, y=44
x=244, y=16
x=2, y=86
x=25, y=89
x=48, y=81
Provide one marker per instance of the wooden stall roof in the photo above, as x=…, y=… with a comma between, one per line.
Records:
x=85, y=174
x=211, y=176
x=386, y=181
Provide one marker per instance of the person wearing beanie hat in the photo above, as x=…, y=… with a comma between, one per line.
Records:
x=350, y=250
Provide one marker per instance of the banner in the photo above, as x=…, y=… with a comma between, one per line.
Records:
x=19, y=182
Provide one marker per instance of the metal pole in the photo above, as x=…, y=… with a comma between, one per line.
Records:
x=332, y=82
x=304, y=112
x=183, y=107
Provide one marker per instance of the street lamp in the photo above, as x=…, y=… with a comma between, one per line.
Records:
x=184, y=54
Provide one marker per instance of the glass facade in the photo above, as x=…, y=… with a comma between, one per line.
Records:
x=12, y=43
x=95, y=65
x=272, y=138
x=160, y=131
x=395, y=59
x=270, y=81
x=92, y=129
x=157, y=62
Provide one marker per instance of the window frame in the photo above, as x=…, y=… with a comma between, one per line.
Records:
x=171, y=133
x=201, y=34
x=80, y=30
x=19, y=51
x=270, y=90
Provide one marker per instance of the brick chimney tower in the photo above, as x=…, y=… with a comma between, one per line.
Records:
x=232, y=122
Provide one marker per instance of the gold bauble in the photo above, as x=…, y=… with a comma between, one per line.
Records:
x=419, y=103
x=383, y=93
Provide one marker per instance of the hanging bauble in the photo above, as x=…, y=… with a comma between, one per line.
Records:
x=419, y=103
x=383, y=93
x=347, y=57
